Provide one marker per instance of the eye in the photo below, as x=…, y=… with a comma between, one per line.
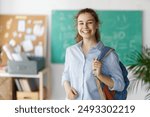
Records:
x=90, y=22
x=80, y=23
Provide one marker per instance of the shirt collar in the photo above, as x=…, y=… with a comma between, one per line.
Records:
x=79, y=44
x=98, y=46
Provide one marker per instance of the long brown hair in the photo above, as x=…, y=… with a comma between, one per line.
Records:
x=93, y=13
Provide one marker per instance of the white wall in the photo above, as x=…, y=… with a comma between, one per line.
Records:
x=46, y=6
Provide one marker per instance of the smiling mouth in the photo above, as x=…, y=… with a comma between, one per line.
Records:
x=85, y=31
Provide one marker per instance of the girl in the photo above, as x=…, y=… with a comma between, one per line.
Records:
x=80, y=62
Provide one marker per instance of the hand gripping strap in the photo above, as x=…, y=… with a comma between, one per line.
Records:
x=104, y=53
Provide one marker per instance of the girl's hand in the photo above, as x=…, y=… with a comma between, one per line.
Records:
x=96, y=66
x=72, y=94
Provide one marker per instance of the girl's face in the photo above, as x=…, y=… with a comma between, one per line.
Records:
x=86, y=26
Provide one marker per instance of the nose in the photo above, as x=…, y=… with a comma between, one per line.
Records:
x=85, y=25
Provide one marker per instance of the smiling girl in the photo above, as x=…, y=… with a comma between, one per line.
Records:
x=80, y=61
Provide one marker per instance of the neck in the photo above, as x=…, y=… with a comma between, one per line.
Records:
x=88, y=44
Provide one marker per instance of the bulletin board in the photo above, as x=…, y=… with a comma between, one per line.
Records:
x=18, y=29
x=121, y=30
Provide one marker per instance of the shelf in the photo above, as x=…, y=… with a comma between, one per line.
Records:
x=40, y=76
x=6, y=74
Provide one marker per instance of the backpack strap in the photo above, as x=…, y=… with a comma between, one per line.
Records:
x=104, y=53
x=100, y=91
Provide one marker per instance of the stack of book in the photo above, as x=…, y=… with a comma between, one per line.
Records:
x=26, y=84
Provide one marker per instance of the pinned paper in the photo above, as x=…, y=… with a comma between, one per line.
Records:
x=30, y=37
x=8, y=50
x=8, y=24
x=21, y=26
x=29, y=31
x=38, y=30
x=38, y=22
x=12, y=42
x=17, y=49
x=38, y=51
x=33, y=37
x=27, y=45
x=21, y=17
x=17, y=57
x=14, y=34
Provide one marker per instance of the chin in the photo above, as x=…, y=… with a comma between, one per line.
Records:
x=86, y=36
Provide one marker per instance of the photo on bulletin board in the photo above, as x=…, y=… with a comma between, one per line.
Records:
x=121, y=30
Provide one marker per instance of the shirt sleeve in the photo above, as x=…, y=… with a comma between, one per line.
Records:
x=115, y=72
x=65, y=75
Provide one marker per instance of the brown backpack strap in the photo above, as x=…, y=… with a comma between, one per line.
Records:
x=100, y=91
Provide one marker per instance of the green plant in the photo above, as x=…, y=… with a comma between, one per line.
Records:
x=141, y=69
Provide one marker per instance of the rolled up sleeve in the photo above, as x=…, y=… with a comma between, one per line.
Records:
x=115, y=72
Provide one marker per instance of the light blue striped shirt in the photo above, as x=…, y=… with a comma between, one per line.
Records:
x=78, y=71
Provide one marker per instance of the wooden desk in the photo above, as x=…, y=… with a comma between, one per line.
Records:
x=40, y=76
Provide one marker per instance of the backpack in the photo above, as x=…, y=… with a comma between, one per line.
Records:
x=114, y=95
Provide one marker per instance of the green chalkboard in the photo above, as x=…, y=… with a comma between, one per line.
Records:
x=121, y=30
